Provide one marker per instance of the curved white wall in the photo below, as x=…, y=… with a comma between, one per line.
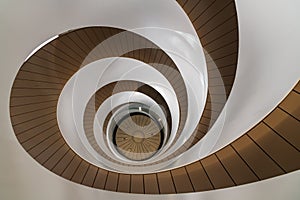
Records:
x=268, y=68
x=269, y=36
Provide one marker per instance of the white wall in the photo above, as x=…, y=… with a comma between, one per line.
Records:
x=269, y=33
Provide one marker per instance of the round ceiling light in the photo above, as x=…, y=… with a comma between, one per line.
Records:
x=136, y=133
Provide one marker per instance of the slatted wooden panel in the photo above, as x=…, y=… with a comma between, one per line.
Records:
x=124, y=183
x=71, y=49
x=101, y=95
x=151, y=55
x=217, y=28
x=138, y=147
x=151, y=184
x=259, y=154
x=271, y=148
x=42, y=77
x=76, y=48
x=160, y=61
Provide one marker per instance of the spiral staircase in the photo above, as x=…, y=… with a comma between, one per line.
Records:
x=187, y=99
